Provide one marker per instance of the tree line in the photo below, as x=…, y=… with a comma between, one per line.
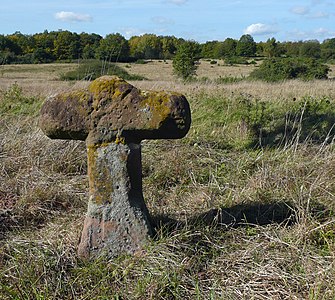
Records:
x=64, y=45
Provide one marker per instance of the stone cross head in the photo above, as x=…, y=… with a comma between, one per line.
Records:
x=113, y=117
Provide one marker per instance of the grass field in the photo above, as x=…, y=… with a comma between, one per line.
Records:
x=243, y=206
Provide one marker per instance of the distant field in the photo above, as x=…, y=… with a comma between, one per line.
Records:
x=44, y=78
x=163, y=70
x=153, y=70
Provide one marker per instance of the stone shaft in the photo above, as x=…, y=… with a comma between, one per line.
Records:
x=117, y=219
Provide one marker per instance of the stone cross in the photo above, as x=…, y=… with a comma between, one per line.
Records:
x=113, y=117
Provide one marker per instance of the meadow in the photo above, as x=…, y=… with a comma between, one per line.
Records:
x=243, y=206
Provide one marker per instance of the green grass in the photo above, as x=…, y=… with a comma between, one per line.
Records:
x=14, y=102
x=243, y=120
x=241, y=210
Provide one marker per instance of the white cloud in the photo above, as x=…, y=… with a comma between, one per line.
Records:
x=162, y=20
x=68, y=16
x=316, y=2
x=128, y=32
x=300, y=10
x=306, y=12
x=260, y=29
x=323, y=32
x=319, y=15
x=177, y=2
x=319, y=33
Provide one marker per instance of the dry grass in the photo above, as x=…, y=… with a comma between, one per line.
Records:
x=163, y=71
x=232, y=222
x=43, y=79
x=35, y=80
x=284, y=91
x=331, y=74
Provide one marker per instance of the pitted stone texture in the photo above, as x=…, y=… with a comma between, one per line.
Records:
x=111, y=108
x=117, y=219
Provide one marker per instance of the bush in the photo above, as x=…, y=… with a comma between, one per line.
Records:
x=92, y=69
x=236, y=60
x=141, y=62
x=277, y=69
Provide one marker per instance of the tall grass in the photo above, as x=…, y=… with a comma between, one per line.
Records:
x=238, y=214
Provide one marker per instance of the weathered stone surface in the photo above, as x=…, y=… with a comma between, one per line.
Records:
x=113, y=117
x=117, y=219
x=111, y=108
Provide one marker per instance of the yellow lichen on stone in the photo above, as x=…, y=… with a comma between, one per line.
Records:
x=120, y=140
x=78, y=99
x=158, y=104
x=91, y=161
x=105, y=87
x=81, y=96
x=98, y=176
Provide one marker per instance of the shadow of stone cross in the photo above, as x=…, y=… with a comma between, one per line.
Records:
x=113, y=117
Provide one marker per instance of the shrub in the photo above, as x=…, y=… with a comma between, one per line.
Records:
x=92, y=69
x=141, y=62
x=236, y=60
x=277, y=69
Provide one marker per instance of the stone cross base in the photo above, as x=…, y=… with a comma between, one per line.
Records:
x=117, y=219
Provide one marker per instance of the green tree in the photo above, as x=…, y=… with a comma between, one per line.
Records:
x=9, y=44
x=184, y=61
x=169, y=46
x=41, y=55
x=246, y=46
x=67, y=46
x=310, y=49
x=270, y=48
x=228, y=48
x=44, y=46
x=328, y=49
x=292, y=49
x=24, y=43
x=208, y=49
x=9, y=50
x=114, y=47
x=147, y=46
x=89, y=44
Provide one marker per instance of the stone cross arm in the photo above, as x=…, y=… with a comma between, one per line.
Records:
x=110, y=109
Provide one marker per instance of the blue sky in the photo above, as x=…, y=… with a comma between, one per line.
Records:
x=286, y=20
